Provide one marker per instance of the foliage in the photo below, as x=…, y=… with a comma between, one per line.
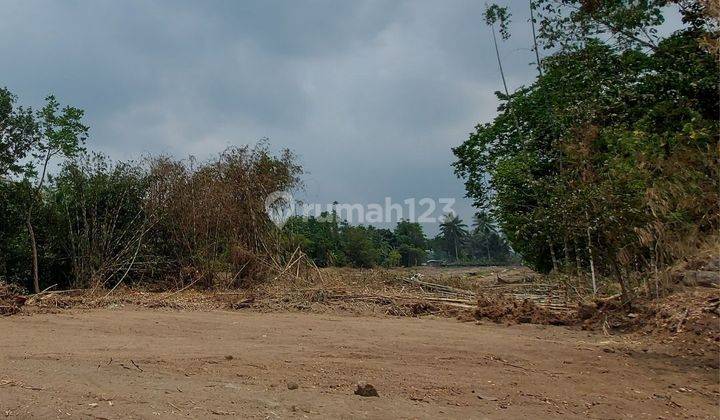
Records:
x=500, y=15
x=14, y=244
x=29, y=141
x=209, y=219
x=100, y=223
x=611, y=155
x=331, y=242
x=453, y=232
x=98, y=219
x=482, y=245
x=411, y=243
x=18, y=133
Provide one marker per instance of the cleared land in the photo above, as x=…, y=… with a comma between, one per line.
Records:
x=129, y=362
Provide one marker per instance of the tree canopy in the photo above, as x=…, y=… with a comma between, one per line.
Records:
x=612, y=151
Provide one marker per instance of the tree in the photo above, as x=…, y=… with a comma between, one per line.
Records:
x=14, y=244
x=410, y=242
x=18, y=133
x=484, y=229
x=394, y=258
x=99, y=220
x=483, y=223
x=359, y=247
x=59, y=133
x=495, y=14
x=453, y=232
x=609, y=152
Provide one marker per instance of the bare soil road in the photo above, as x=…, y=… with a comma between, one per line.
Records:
x=142, y=363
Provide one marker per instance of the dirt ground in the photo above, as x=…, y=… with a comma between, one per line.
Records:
x=131, y=362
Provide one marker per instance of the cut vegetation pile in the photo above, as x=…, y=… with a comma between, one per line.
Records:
x=502, y=308
x=11, y=299
x=397, y=292
x=449, y=292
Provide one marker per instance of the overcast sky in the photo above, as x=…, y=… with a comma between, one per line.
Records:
x=372, y=95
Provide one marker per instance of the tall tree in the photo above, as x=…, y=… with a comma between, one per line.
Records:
x=60, y=134
x=410, y=242
x=453, y=231
x=18, y=133
x=613, y=146
x=484, y=228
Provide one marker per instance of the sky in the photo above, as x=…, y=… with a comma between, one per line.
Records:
x=370, y=94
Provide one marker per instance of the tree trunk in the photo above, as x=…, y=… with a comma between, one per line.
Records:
x=537, y=53
x=590, y=254
x=592, y=261
x=578, y=264
x=655, y=269
x=622, y=279
x=552, y=255
x=33, y=244
x=566, y=254
x=624, y=287
x=28, y=222
x=497, y=54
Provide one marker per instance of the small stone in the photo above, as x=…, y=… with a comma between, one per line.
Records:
x=292, y=385
x=229, y=357
x=366, y=390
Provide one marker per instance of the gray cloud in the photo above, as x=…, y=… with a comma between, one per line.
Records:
x=371, y=94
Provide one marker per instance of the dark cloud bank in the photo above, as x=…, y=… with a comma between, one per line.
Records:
x=370, y=94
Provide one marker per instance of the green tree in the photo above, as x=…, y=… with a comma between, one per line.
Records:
x=18, y=133
x=359, y=247
x=51, y=132
x=394, y=258
x=453, y=232
x=410, y=242
x=608, y=155
x=99, y=218
x=483, y=230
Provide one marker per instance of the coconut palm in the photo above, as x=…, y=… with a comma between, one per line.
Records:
x=453, y=231
x=484, y=228
x=483, y=223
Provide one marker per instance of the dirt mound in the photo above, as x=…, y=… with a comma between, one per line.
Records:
x=690, y=320
x=501, y=308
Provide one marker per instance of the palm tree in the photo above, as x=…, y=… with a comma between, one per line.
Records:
x=483, y=223
x=484, y=227
x=453, y=230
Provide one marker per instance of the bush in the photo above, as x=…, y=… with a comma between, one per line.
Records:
x=209, y=214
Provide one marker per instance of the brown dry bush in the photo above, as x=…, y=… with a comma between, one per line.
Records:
x=212, y=227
